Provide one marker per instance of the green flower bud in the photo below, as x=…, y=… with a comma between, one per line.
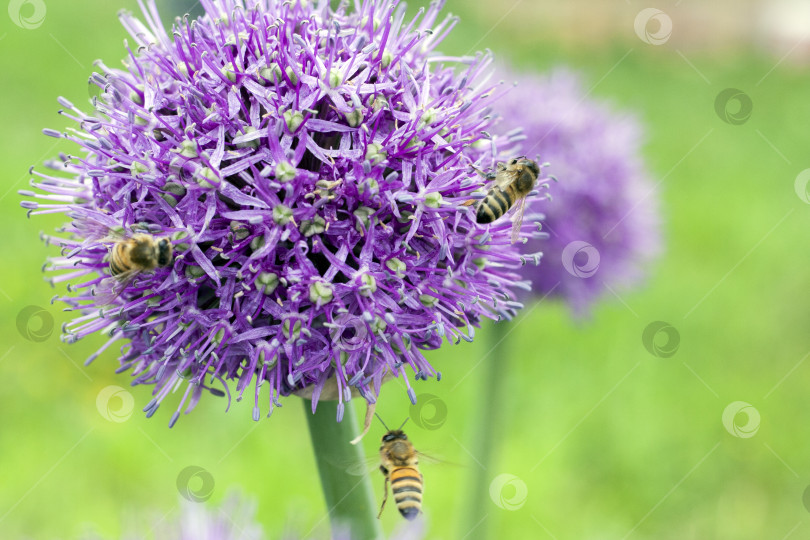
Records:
x=271, y=72
x=428, y=117
x=291, y=75
x=481, y=144
x=379, y=103
x=257, y=243
x=285, y=171
x=267, y=362
x=386, y=59
x=335, y=78
x=219, y=336
x=174, y=192
x=428, y=300
x=355, y=118
x=293, y=120
x=320, y=293
x=229, y=72
x=282, y=214
x=369, y=285
x=396, y=266
x=363, y=214
x=136, y=98
x=314, y=226
x=154, y=301
x=371, y=185
x=194, y=272
x=406, y=342
x=268, y=281
x=378, y=325
x=207, y=178
x=254, y=143
x=480, y=262
x=180, y=235
x=188, y=149
x=433, y=199
x=296, y=329
x=138, y=168
x=375, y=153
x=239, y=230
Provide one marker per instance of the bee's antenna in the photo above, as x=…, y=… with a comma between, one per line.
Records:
x=405, y=422
x=381, y=421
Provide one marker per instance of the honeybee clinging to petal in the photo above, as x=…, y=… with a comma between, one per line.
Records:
x=129, y=256
x=513, y=182
x=399, y=463
x=141, y=252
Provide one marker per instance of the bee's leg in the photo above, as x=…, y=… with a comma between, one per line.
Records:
x=367, y=425
x=385, y=496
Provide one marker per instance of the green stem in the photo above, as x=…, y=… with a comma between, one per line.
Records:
x=349, y=499
x=487, y=431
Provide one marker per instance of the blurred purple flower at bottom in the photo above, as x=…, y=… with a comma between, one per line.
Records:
x=603, y=220
x=234, y=519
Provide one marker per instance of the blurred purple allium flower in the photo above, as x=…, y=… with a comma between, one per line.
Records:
x=603, y=219
x=234, y=519
x=310, y=167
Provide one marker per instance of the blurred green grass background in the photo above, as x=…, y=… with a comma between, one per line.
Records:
x=610, y=441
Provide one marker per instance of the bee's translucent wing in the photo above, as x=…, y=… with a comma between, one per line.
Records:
x=109, y=289
x=517, y=221
x=504, y=177
x=429, y=458
x=357, y=467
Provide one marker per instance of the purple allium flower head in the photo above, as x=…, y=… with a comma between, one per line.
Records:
x=311, y=168
x=234, y=519
x=603, y=219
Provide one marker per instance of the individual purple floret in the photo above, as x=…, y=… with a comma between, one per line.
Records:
x=313, y=170
x=603, y=220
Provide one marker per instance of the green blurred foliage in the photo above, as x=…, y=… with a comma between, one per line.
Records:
x=610, y=441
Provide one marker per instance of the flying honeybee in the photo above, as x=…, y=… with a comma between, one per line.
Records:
x=513, y=182
x=399, y=463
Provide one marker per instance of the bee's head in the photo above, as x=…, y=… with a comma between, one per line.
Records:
x=394, y=435
x=164, y=248
x=531, y=165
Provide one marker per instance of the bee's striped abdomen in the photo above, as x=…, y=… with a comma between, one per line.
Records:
x=406, y=485
x=494, y=205
x=117, y=265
